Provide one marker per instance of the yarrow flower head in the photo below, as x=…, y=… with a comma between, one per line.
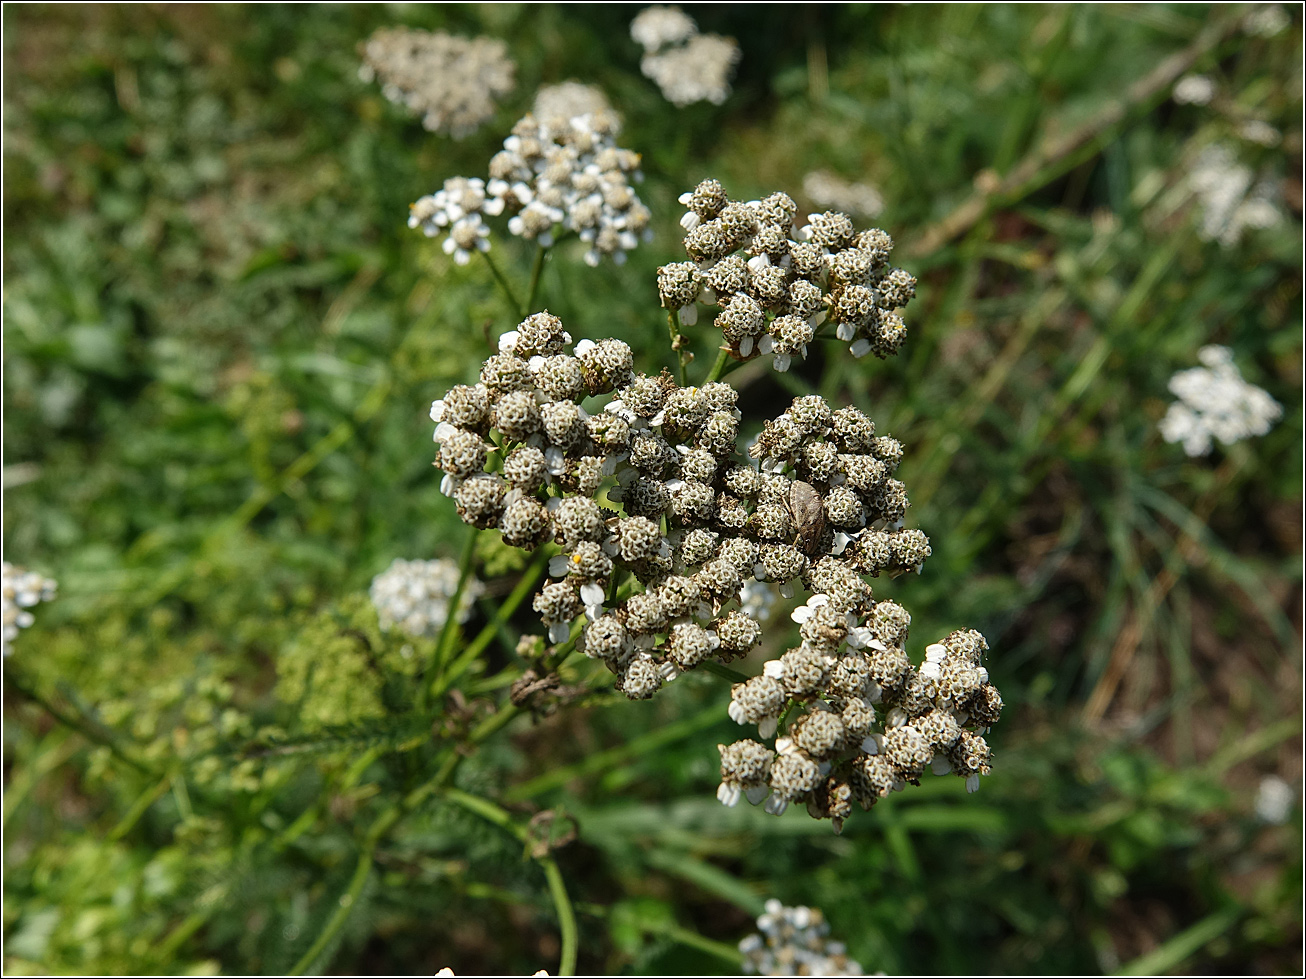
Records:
x=1194, y=90
x=1231, y=199
x=566, y=100
x=1216, y=403
x=656, y=27
x=826, y=189
x=452, y=82
x=674, y=540
x=414, y=596
x=778, y=287
x=795, y=942
x=687, y=66
x=554, y=172
x=21, y=590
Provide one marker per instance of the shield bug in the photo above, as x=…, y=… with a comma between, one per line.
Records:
x=808, y=511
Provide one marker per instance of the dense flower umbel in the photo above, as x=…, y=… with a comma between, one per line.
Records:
x=777, y=287
x=452, y=82
x=552, y=172
x=687, y=66
x=795, y=942
x=21, y=590
x=1216, y=403
x=414, y=596
x=674, y=543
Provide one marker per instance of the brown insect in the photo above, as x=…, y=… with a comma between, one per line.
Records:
x=808, y=510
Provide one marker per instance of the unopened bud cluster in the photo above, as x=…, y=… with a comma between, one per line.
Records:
x=414, y=596
x=777, y=287
x=452, y=82
x=687, y=66
x=21, y=590
x=552, y=173
x=795, y=942
x=861, y=720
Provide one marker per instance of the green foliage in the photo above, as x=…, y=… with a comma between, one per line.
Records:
x=220, y=344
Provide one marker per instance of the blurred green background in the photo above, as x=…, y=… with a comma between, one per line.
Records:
x=220, y=342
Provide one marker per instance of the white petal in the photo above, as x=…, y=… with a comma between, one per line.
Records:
x=591, y=593
x=728, y=793
x=559, y=631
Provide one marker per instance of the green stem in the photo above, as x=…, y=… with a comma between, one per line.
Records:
x=441, y=682
x=341, y=913
x=566, y=916
x=142, y=803
x=722, y=358
x=723, y=671
x=383, y=824
x=85, y=728
x=673, y=330
x=503, y=283
x=449, y=630
x=536, y=270
x=488, y=811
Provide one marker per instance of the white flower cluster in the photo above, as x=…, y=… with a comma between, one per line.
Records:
x=826, y=189
x=676, y=564
x=1266, y=20
x=872, y=722
x=21, y=590
x=452, y=82
x=414, y=596
x=1230, y=197
x=795, y=942
x=777, y=286
x=550, y=173
x=1216, y=403
x=1194, y=90
x=687, y=66
x=555, y=104
x=1274, y=799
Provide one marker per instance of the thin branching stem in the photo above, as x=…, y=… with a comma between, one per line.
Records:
x=508, y=294
x=449, y=630
x=441, y=682
x=340, y=915
x=718, y=368
x=536, y=270
x=490, y=812
x=673, y=328
x=92, y=731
